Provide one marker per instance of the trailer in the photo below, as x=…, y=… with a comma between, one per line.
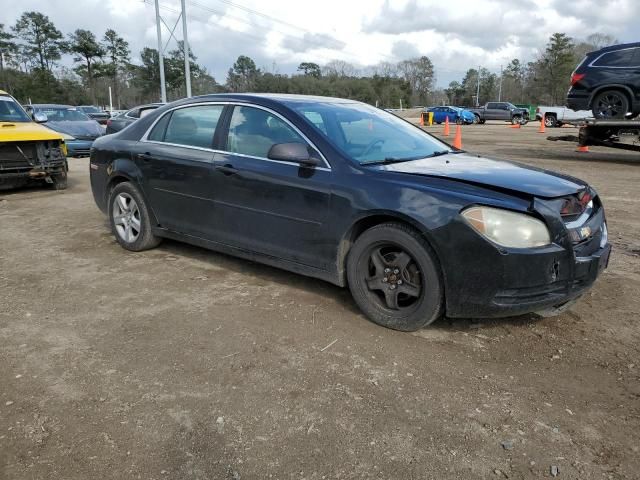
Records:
x=620, y=134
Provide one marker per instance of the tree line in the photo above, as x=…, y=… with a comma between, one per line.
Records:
x=31, y=51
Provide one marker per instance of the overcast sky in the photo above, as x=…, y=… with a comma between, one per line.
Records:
x=279, y=34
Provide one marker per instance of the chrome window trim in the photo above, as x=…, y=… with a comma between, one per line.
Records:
x=613, y=51
x=145, y=139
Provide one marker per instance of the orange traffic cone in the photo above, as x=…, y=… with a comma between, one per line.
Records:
x=422, y=119
x=457, y=140
x=447, y=131
x=583, y=149
x=517, y=125
x=541, y=129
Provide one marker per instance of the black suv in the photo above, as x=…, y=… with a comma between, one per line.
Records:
x=607, y=81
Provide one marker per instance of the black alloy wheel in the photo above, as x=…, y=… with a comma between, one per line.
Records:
x=393, y=277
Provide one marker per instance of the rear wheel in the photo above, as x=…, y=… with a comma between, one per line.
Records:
x=459, y=121
x=394, y=279
x=129, y=218
x=611, y=104
x=550, y=121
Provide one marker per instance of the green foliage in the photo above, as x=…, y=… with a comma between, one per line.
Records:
x=42, y=43
x=311, y=69
x=243, y=76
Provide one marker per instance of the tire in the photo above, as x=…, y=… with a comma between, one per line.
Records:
x=516, y=119
x=59, y=181
x=482, y=121
x=438, y=123
x=476, y=120
x=610, y=105
x=459, y=121
x=394, y=278
x=550, y=121
x=129, y=218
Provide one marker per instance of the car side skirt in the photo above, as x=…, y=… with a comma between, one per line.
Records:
x=331, y=277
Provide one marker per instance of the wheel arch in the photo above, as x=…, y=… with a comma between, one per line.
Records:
x=124, y=170
x=616, y=87
x=371, y=219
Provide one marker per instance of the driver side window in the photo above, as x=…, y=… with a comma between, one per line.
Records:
x=254, y=131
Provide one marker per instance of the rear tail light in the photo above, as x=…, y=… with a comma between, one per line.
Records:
x=576, y=77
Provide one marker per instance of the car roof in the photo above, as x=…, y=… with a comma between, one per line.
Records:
x=48, y=105
x=277, y=97
x=612, y=48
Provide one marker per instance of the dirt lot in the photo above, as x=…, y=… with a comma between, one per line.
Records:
x=179, y=363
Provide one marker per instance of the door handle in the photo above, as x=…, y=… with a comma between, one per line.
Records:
x=145, y=157
x=227, y=169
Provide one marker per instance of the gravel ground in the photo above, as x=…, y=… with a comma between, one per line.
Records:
x=180, y=363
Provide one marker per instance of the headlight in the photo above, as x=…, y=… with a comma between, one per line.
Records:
x=506, y=228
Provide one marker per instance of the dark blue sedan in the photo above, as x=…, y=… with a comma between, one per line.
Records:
x=81, y=130
x=351, y=194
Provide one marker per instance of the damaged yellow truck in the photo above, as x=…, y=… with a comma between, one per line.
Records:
x=29, y=152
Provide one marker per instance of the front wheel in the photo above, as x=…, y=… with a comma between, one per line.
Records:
x=459, y=121
x=516, y=119
x=129, y=218
x=394, y=278
x=59, y=181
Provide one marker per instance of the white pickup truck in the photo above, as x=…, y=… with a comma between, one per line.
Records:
x=558, y=116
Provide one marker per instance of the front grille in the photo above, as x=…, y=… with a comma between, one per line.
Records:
x=24, y=156
x=16, y=156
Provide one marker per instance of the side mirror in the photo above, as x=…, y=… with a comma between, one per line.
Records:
x=39, y=117
x=293, y=152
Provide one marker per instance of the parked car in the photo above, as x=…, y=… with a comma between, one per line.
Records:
x=81, y=129
x=95, y=113
x=454, y=114
x=123, y=120
x=29, y=152
x=558, y=116
x=501, y=111
x=607, y=82
x=345, y=192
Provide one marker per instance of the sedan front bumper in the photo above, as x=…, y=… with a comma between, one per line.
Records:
x=484, y=280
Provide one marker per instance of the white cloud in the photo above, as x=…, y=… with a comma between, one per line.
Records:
x=456, y=35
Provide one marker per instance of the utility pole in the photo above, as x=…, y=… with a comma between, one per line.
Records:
x=500, y=87
x=477, y=87
x=185, y=41
x=163, y=88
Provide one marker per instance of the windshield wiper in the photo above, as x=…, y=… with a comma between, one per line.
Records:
x=388, y=160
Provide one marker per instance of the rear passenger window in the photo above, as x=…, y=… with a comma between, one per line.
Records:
x=619, y=58
x=192, y=126
x=492, y=105
x=157, y=134
x=254, y=131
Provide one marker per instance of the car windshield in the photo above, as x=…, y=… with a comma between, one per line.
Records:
x=90, y=109
x=369, y=135
x=63, y=114
x=10, y=111
x=511, y=105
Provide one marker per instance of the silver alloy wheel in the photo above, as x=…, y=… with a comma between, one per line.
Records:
x=126, y=217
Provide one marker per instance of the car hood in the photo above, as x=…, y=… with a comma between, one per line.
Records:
x=77, y=128
x=25, y=131
x=496, y=174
